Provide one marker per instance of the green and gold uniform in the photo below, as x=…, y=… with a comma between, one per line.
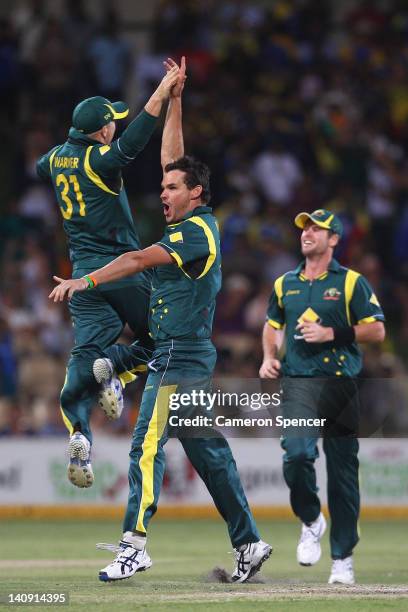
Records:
x=86, y=176
x=181, y=317
x=318, y=382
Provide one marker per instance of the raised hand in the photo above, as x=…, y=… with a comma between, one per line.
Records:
x=168, y=81
x=177, y=89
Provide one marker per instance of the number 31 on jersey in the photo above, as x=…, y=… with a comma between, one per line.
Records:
x=63, y=181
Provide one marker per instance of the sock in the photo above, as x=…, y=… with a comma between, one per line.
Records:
x=137, y=541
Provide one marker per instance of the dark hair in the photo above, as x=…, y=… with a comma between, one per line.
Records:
x=196, y=173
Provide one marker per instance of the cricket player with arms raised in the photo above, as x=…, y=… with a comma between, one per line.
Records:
x=325, y=310
x=186, y=278
x=86, y=175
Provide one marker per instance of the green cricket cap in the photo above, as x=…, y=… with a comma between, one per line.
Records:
x=322, y=218
x=92, y=114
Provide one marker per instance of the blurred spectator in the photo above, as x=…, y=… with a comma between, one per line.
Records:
x=8, y=363
x=295, y=105
x=77, y=24
x=230, y=308
x=10, y=70
x=53, y=70
x=109, y=56
x=277, y=172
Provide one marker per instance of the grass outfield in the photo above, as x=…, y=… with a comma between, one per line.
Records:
x=40, y=556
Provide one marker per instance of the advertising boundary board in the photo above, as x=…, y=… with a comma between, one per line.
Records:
x=33, y=480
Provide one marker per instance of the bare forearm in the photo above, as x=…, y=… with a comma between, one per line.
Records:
x=370, y=332
x=124, y=265
x=172, y=140
x=154, y=105
x=270, y=343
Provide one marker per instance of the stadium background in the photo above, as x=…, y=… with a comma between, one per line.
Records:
x=294, y=105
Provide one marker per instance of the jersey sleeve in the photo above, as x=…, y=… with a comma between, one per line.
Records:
x=275, y=315
x=193, y=246
x=105, y=159
x=364, y=305
x=43, y=166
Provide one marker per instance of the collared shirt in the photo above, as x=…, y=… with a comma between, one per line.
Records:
x=183, y=296
x=337, y=298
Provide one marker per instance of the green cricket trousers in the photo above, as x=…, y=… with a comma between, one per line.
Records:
x=337, y=401
x=183, y=365
x=98, y=317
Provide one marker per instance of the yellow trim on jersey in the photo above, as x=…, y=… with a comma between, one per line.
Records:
x=115, y=114
x=129, y=376
x=176, y=237
x=150, y=445
x=349, y=284
x=52, y=157
x=279, y=289
x=275, y=324
x=367, y=320
x=104, y=149
x=66, y=420
x=95, y=178
x=211, y=243
x=126, y=378
x=178, y=259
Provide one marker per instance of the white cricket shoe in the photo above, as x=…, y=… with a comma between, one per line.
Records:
x=309, y=550
x=110, y=397
x=342, y=571
x=250, y=558
x=80, y=471
x=127, y=562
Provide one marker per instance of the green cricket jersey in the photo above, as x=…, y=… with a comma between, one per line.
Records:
x=88, y=184
x=338, y=298
x=183, y=296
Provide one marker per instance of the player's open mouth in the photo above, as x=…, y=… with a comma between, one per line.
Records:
x=166, y=208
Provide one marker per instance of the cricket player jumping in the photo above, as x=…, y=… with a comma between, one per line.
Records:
x=86, y=175
x=186, y=279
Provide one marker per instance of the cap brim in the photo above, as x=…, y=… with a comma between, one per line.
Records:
x=119, y=110
x=301, y=218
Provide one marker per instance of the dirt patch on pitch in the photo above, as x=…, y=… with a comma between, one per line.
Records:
x=222, y=576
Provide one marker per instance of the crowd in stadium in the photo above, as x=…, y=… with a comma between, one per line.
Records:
x=294, y=106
